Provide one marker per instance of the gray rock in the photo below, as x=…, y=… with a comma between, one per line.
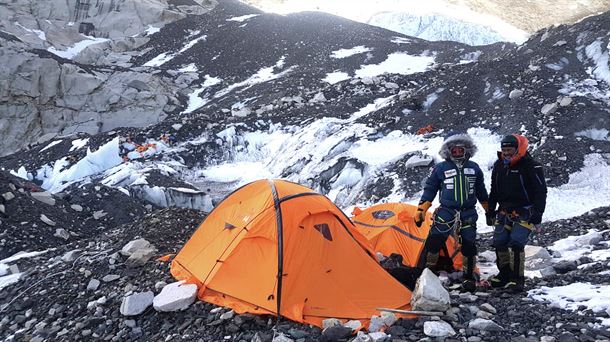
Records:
x=336, y=332
x=484, y=314
x=62, y=234
x=175, y=297
x=47, y=220
x=565, y=101
x=378, y=336
x=227, y=315
x=76, y=207
x=488, y=307
x=438, y=329
x=484, y=325
x=71, y=255
x=140, y=257
x=549, y=108
x=319, y=97
x=8, y=196
x=429, y=294
x=565, y=266
x=355, y=324
x=136, y=303
x=110, y=277
x=515, y=93
x=44, y=197
x=135, y=245
x=390, y=85
x=537, y=257
x=361, y=336
x=330, y=322
x=99, y=214
x=93, y=284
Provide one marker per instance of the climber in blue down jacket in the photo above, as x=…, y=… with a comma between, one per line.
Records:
x=460, y=183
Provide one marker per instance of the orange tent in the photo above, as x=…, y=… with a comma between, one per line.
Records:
x=276, y=247
x=390, y=229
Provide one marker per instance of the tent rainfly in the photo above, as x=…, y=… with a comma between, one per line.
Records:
x=276, y=247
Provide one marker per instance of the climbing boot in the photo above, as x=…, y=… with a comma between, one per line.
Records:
x=469, y=283
x=517, y=279
x=503, y=263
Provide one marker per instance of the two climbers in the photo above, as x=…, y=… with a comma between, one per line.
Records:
x=518, y=190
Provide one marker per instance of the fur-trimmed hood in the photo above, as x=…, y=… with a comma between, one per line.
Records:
x=458, y=139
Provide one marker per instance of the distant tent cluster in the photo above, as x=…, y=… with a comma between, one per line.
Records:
x=276, y=247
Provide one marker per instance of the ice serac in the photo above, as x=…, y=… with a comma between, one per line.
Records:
x=437, y=28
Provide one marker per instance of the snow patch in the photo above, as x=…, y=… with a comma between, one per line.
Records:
x=595, y=134
x=78, y=144
x=336, y=77
x=397, y=63
x=195, y=102
x=51, y=145
x=243, y=17
x=572, y=296
x=75, y=49
x=343, y=53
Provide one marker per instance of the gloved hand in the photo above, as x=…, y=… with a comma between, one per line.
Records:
x=420, y=214
x=535, y=217
x=490, y=218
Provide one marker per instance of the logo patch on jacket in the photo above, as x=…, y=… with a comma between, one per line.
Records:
x=450, y=173
x=469, y=171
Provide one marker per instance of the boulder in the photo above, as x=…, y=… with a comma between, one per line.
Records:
x=136, y=303
x=135, y=245
x=438, y=329
x=175, y=297
x=429, y=294
x=537, y=258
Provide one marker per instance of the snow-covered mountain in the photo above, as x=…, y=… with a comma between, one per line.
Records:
x=503, y=16
x=235, y=94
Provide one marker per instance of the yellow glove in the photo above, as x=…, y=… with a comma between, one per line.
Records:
x=420, y=214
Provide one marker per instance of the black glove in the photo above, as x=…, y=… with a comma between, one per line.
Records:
x=535, y=217
x=490, y=218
